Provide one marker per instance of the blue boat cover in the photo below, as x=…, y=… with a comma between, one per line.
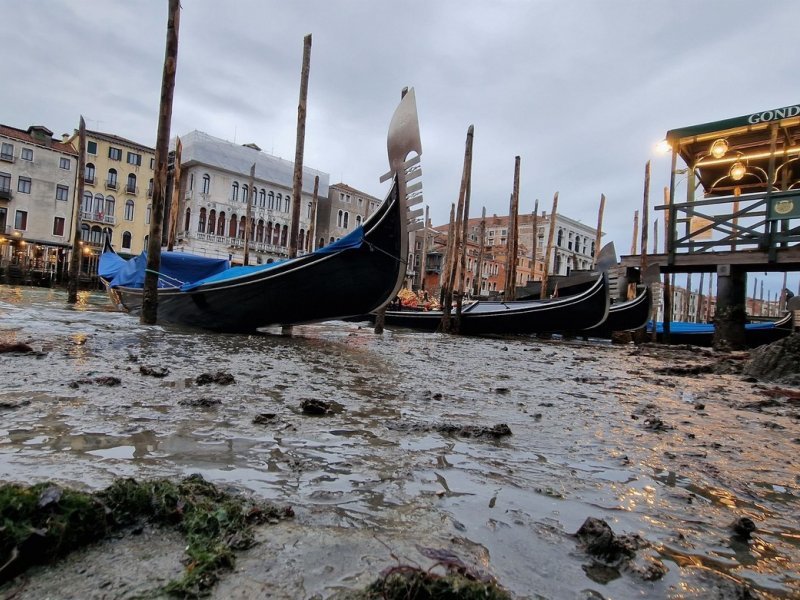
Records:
x=702, y=328
x=188, y=271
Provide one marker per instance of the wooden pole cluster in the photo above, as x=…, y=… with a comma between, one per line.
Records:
x=150, y=291
x=176, y=196
x=599, y=233
x=248, y=214
x=549, y=253
x=75, y=256
x=297, y=184
x=512, y=241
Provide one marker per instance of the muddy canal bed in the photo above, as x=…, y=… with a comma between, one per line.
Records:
x=409, y=454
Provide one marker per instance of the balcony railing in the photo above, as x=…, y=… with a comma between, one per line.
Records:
x=130, y=189
x=111, y=185
x=98, y=216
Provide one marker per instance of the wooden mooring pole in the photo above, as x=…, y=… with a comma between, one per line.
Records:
x=75, y=255
x=464, y=225
x=549, y=253
x=248, y=215
x=599, y=233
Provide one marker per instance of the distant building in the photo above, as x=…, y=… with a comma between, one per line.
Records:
x=213, y=194
x=343, y=210
x=37, y=195
x=117, y=193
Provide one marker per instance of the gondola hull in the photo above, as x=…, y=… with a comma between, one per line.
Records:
x=625, y=316
x=580, y=311
x=702, y=334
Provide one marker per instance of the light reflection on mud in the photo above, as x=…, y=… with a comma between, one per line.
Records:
x=580, y=445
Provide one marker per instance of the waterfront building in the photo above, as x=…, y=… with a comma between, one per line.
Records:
x=214, y=189
x=344, y=209
x=117, y=196
x=37, y=195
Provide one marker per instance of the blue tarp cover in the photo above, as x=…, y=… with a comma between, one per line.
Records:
x=684, y=327
x=187, y=271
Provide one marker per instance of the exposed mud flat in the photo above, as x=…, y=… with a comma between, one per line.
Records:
x=676, y=457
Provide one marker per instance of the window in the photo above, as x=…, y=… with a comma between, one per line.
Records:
x=7, y=152
x=206, y=184
x=111, y=182
x=271, y=204
x=212, y=221
x=91, y=148
x=126, y=240
x=153, y=164
x=114, y=153
x=287, y=200
x=201, y=223
x=88, y=175
x=130, y=187
x=191, y=181
x=58, y=226
x=321, y=242
x=221, y=223
x=24, y=185
x=339, y=218
x=232, y=226
x=129, y=210
x=85, y=232
x=62, y=193
x=134, y=159
x=358, y=220
x=86, y=204
x=110, y=204
x=187, y=219
x=262, y=198
x=235, y=192
x=346, y=219
x=26, y=154
x=148, y=213
x=279, y=202
x=150, y=188
x=64, y=163
x=21, y=220
x=5, y=182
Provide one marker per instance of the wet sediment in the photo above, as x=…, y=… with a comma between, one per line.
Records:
x=670, y=446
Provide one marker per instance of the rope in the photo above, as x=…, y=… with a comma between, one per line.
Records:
x=165, y=278
x=374, y=247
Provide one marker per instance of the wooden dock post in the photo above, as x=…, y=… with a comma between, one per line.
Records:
x=248, y=215
x=481, y=248
x=423, y=261
x=549, y=253
x=176, y=196
x=667, y=297
x=464, y=224
x=149, y=314
x=512, y=241
x=534, y=238
x=731, y=312
x=75, y=255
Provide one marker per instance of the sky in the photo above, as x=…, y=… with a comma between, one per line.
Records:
x=581, y=90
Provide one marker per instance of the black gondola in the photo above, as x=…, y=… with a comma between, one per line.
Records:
x=625, y=316
x=358, y=274
x=580, y=311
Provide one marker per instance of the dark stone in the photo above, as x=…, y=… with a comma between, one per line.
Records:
x=314, y=406
x=502, y=390
x=200, y=402
x=154, y=371
x=108, y=381
x=220, y=377
x=699, y=406
x=15, y=347
x=597, y=539
x=779, y=361
x=743, y=527
x=264, y=418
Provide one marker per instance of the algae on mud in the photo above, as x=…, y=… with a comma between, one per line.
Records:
x=43, y=522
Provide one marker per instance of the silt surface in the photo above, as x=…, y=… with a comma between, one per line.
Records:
x=397, y=467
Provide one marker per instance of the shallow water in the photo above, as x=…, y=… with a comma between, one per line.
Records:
x=374, y=479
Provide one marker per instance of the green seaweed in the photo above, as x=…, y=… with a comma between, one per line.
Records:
x=409, y=583
x=43, y=522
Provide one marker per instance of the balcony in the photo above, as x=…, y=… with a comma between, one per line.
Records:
x=111, y=185
x=98, y=216
x=5, y=193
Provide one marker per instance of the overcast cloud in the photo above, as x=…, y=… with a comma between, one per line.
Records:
x=580, y=90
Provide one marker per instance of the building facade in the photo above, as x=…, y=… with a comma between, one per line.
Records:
x=214, y=190
x=117, y=194
x=344, y=209
x=37, y=195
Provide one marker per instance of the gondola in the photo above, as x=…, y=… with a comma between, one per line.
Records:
x=702, y=334
x=358, y=274
x=580, y=311
x=625, y=316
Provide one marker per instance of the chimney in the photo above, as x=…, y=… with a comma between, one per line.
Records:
x=64, y=138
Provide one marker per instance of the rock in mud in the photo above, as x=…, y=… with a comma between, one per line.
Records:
x=473, y=431
x=743, y=527
x=220, y=377
x=200, y=402
x=15, y=347
x=314, y=406
x=778, y=362
x=108, y=381
x=264, y=418
x=154, y=371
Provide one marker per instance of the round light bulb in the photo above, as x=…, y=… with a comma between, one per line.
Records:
x=719, y=148
x=737, y=171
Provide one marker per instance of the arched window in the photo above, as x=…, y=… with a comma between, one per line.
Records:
x=85, y=232
x=201, y=222
x=301, y=238
x=212, y=221
x=129, y=206
x=358, y=220
x=232, y=226
x=284, y=234
x=221, y=223
x=112, y=179
x=560, y=240
x=278, y=202
x=191, y=181
x=235, y=191
x=262, y=198
x=242, y=227
x=99, y=202
x=260, y=232
x=126, y=240
x=271, y=204
x=110, y=206
x=86, y=205
x=96, y=235
x=339, y=218
x=150, y=188
x=245, y=196
x=346, y=219
x=148, y=213
x=88, y=175
x=106, y=235
x=332, y=240
x=321, y=242
x=287, y=200
x=130, y=187
x=206, y=184
x=188, y=218
x=592, y=250
x=276, y=234
x=268, y=237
